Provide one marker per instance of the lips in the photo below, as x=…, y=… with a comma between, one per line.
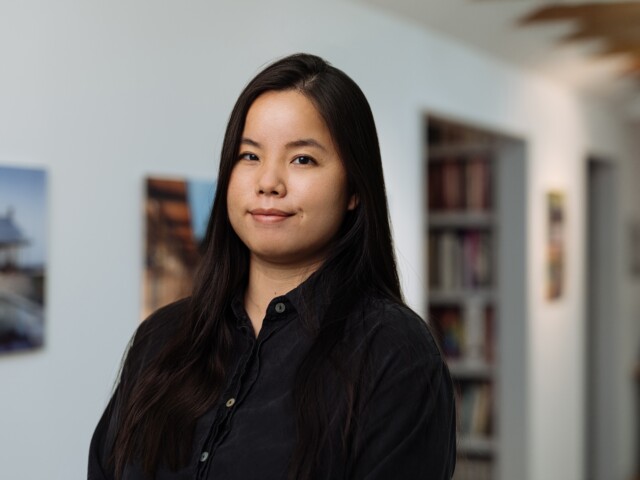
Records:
x=269, y=215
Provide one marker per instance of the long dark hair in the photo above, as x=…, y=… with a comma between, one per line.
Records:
x=176, y=387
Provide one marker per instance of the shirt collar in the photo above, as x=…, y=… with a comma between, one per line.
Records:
x=304, y=298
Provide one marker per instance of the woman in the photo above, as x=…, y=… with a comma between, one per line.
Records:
x=296, y=356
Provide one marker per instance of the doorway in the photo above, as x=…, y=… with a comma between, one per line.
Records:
x=601, y=317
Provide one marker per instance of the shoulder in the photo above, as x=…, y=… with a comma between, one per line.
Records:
x=401, y=354
x=406, y=426
x=153, y=334
x=147, y=341
x=163, y=322
x=396, y=323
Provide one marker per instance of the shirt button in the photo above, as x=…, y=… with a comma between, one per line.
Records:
x=230, y=402
x=204, y=456
x=280, y=307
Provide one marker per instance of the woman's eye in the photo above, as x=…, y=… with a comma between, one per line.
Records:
x=247, y=156
x=303, y=160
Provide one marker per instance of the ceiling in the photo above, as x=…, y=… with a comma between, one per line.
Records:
x=497, y=28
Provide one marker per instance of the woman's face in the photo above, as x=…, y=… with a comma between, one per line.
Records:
x=287, y=193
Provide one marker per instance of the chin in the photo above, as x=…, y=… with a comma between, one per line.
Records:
x=276, y=256
x=286, y=257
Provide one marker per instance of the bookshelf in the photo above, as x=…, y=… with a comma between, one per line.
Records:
x=466, y=234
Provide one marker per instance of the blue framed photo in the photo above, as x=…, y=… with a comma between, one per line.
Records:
x=23, y=258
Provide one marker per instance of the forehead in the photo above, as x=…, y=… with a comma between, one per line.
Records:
x=284, y=113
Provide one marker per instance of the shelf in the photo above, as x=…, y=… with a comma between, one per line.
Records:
x=461, y=219
x=477, y=445
x=472, y=370
x=464, y=226
x=444, y=152
x=447, y=297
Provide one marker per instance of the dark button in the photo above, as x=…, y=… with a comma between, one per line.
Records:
x=280, y=307
x=204, y=456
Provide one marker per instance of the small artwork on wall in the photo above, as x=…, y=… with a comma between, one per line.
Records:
x=23, y=258
x=177, y=212
x=556, y=231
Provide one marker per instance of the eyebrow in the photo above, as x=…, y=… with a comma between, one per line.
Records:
x=303, y=142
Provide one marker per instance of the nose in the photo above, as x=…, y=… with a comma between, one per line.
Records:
x=271, y=181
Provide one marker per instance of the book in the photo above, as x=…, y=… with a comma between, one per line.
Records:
x=434, y=186
x=474, y=347
x=489, y=334
x=432, y=259
x=475, y=415
x=453, y=185
x=478, y=183
x=450, y=330
x=473, y=468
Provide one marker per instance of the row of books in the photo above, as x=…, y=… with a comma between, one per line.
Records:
x=459, y=183
x=474, y=402
x=459, y=259
x=469, y=340
x=442, y=132
x=473, y=469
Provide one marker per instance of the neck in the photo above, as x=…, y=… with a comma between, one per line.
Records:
x=267, y=281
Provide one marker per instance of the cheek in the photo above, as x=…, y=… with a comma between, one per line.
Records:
x=333, y=194
x=234, y=192
x=234, y=208
x=328, y=203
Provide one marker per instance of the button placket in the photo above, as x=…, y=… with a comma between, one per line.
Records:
x=242, y=382
x=220, y=426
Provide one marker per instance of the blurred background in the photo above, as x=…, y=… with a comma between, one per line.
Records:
x=510, y=135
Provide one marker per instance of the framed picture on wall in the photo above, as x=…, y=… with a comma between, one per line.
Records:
x=556, y=249
x=176, y=216
x=23, y=258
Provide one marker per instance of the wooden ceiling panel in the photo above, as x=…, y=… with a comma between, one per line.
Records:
x=614, y=48
x=629, y=33
x=605, y=12
x=616, y=25
x=634, y=68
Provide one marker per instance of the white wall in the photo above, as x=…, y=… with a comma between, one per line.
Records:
x=103, y=93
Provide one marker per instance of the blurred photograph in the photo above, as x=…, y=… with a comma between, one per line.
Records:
x=555, y=245
x=176, y=211
x=22, y=258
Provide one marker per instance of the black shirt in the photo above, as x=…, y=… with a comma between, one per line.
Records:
x=408, y=432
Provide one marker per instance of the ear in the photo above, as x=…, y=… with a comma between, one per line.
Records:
x=353, y=202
